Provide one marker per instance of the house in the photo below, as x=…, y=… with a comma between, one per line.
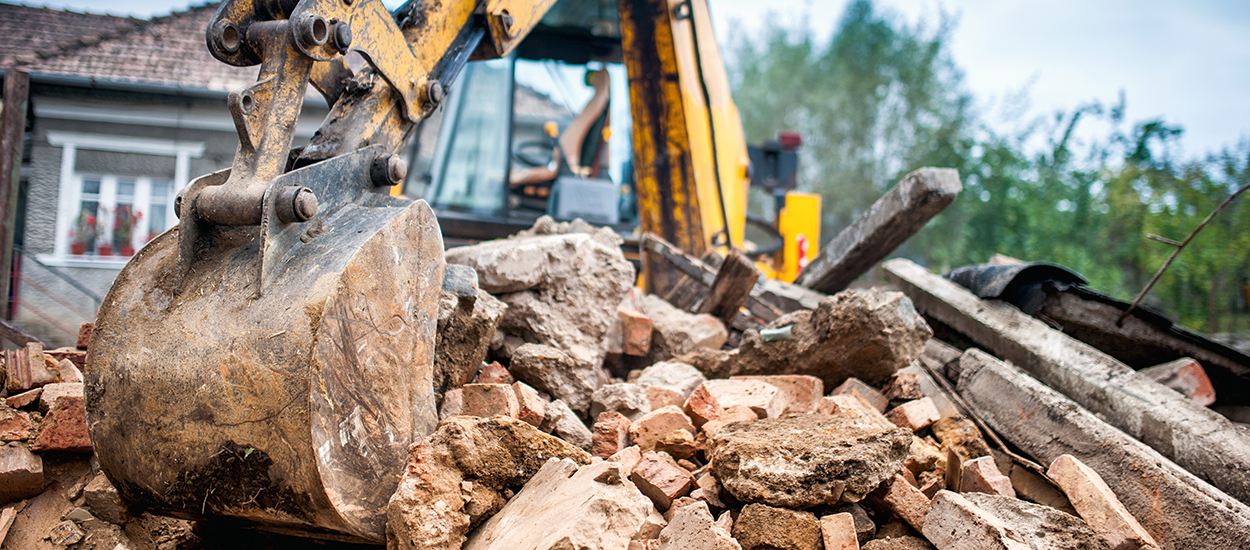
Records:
x=125, y=113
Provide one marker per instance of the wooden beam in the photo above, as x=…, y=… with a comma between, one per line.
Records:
x=12, y=138
x=894, y=218
x=1195, y=437
x=731, y=287
x=15, y=334
x=661, y=250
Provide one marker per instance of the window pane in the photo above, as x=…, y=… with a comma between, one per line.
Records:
x=86, y=228
x=91, y=186
x=160, y=190
x=125, y=222
x=125, y=190
x=157, y=222
x=473, y=171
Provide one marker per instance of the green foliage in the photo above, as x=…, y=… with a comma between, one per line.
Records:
x=881, y=98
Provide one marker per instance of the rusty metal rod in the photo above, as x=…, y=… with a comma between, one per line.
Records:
x=1175, y=253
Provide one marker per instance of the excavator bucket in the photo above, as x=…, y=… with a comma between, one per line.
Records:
x=287, y=399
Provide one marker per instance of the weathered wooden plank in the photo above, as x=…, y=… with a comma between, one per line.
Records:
x=894, y=218
x=1178, y=509
x=656, y=248
x=731, y=287
x=15, y=334
x=1195, y=437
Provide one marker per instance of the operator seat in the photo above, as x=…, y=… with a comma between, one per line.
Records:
x=579, y=144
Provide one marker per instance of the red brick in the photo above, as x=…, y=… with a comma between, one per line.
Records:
x=904, y=385
x=1186, y=376
x=661, y=480
x=799, y=393
x=627, y=458
x=53, y=392
x=915, y=415
x=1098, y=505
x=530, y=407
x=981, y=475
x=761, y=397
x=663, y=396
x=636, y=330
x=26, y=369
x=678, y=444
x=611, y=434
x=64, y=428
x=15, y=428
x=838, y=532
x=453, y=403
x=486, y=400
x=653, y=426
x=21, y=473
x=701, y=406
x=855, y=386
x=84, y=335
x=494, y=373
x=678, y=504
x=903, y=499
x=24, y=399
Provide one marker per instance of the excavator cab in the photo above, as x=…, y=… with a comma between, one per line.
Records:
x=545, y=131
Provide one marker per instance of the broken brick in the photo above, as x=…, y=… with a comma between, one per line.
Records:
x=663, y=396
x=494, y=373
x=21, y=473
x=15, y=428
x=763, y=398
x=1186, y=376
x=486, y=400
x=53, y=392
x=84, y=335
x=530, y=407
x=1098, y=505
x=679, y=444
x=904, y=385
x=653, y=426
x=610, y=434
x=838, y=532
x=903, y=500
x=24, y=399
x=855, y=386
x=660, y=479
x=954, y=522
x=701, y=406
x=981, y=475
x=627, y=458
x=453, y=403
x=914, y=415
x=64, y=428
x=636, y=330
x=799, y=393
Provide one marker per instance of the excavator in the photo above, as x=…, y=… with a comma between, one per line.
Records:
x=268, y=361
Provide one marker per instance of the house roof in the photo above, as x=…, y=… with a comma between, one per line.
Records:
x=167, y=50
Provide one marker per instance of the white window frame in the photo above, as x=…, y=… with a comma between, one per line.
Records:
x=70, y=197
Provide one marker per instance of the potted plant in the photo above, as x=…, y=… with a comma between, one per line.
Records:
x=124, y=223
x=84, y=233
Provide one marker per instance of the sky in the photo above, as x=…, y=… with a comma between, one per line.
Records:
x=1187, y=62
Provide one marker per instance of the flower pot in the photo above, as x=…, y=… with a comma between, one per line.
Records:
x=126, y=250
x=105, y=250
x=78, y=249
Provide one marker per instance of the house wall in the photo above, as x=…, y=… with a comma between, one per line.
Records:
x=50, y=306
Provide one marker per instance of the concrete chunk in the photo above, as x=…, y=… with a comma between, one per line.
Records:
x=692, y=528
x=673, y=374
x=627, y=399
x=678, y=332
x=803, y=461
x=761, y=527
x=1040, y=526
x=556, y=373
x=1098, y=505
x=565, y=507
x=563, y=423
x=21, y=473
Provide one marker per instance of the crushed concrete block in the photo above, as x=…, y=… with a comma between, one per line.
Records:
x=864, y=526
x=799, y=393
x=64, y=428
x=1040, y=526
x=1098, y=505
x=904, y=385
x=490, y=400
x=692, y=528
x=627, y=399
x=761, y=527
x=914, y=415
x=105, y=502
x=561, y=290
x=24, y=399
x=673, y=374
x=904, y=542
x=627, y=458
x=466, y=327
x=636, y=330
x=21, y=473
x=651, y=527
x=453, y=404
x=803, y=461
x=962, y=435
x=661, y=479
x=981, y=475
x=530, y=407
x=954, y=522
x=701, y=406
x=852, y=406
x=678, y=332
x=53, y=392
x=857, y=387
x=433, y=509
x=902, y=499
x=838, y=532
x=868, y=334
x=556, y=373
x=664, y=396
x=14, y=425
x=563, y=423
x=611, y=434
x=678, y=504
x=494, y=373
x=653, y=426
x=565, y=507
x=763, y=398
x=1186, y=376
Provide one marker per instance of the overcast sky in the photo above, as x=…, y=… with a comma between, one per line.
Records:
x=1188, y=62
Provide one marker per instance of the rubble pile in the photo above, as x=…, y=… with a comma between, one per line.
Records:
x=578, y=412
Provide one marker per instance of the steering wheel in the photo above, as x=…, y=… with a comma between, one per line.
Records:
x=533, y=153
